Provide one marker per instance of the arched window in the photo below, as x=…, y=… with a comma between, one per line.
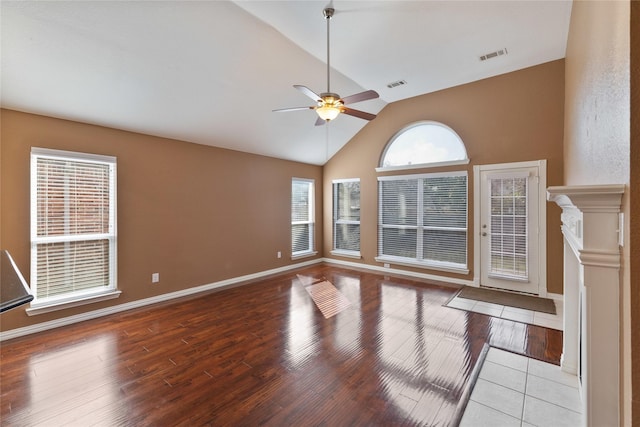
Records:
x=424, y=144
x=422, y=217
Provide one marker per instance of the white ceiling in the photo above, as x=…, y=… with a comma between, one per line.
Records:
x=210, y=72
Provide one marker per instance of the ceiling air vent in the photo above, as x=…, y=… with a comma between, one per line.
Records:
x=494, y=54
x=396, y=84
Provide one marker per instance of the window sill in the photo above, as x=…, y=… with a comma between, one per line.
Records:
x=300, y=255
x=347, y=254
x=449, y=268
x=42, y=308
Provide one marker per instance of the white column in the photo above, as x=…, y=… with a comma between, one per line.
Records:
x=590, y=226
x=571, y=309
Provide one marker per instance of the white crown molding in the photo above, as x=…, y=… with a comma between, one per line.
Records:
x=588, y=198
x=595, y=258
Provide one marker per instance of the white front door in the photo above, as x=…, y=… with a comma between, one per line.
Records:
x=509, y=227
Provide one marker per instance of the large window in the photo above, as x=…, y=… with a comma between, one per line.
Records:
x=302, y=217
x=423, y=220
x=73, y=226
x=346, y=217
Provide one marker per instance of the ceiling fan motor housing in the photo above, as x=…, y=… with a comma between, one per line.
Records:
x=328, y=98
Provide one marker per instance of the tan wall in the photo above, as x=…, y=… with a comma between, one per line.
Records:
x=597, y=133
x=193, y=213
x=509, y=118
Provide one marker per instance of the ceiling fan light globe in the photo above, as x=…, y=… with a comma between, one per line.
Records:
x=328, y=112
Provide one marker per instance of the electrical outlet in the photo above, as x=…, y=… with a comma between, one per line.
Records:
x=386, y=265
x=279, y=254
x=155, y=277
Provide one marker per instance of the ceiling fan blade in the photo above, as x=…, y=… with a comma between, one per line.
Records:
x=359, y=97
x=282, y=110
x=320, y=121
x=358, y=113
x=311, y=94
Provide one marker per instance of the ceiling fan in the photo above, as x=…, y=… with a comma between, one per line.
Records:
x=329, y=105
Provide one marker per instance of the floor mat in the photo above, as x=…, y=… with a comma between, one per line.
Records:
x=527, y=302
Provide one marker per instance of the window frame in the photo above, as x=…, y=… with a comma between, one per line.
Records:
x=310, y=250
x=73, y=298
x=398, y=134
x=337, y=221
x=420, y=227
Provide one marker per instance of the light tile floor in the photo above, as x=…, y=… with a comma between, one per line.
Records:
x=513, y=390
x=516, y=314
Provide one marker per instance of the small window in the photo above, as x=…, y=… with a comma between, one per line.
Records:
x=346, y=217
x=424, y=144
x=73, y=227
x=302, y=217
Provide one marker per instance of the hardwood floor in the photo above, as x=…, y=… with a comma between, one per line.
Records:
x=263, y=354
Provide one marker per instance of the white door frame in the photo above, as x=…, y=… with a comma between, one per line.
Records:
x=542, y=218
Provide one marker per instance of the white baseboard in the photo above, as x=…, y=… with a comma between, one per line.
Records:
x=40, y=327
x=385, y=270
x=44, y=326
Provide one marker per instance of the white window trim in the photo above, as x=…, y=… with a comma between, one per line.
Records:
x=305, y=254
x=423, y=175
x=54, y=304
x=428, y=264
x=347, y=254
x=312, y=206
x=35, y=308
x=342, y=252
x=431, y=265
x=423, y=166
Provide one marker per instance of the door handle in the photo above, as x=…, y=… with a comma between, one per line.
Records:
x=484, y=233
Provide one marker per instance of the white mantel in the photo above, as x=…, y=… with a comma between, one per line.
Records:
x=591, y=226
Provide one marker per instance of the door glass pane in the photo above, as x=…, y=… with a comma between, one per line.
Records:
x=509, y=229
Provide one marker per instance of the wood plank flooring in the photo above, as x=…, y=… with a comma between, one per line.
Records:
x=263, y=354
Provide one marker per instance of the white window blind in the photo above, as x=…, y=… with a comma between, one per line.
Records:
x=509, y=230
x=73, y=225
x=423, y=220
x=346, y=216
x=302, y=216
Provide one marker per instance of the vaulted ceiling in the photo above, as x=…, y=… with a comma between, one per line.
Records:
x=211, y=72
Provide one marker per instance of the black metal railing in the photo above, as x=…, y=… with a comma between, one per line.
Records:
x=14, y=290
